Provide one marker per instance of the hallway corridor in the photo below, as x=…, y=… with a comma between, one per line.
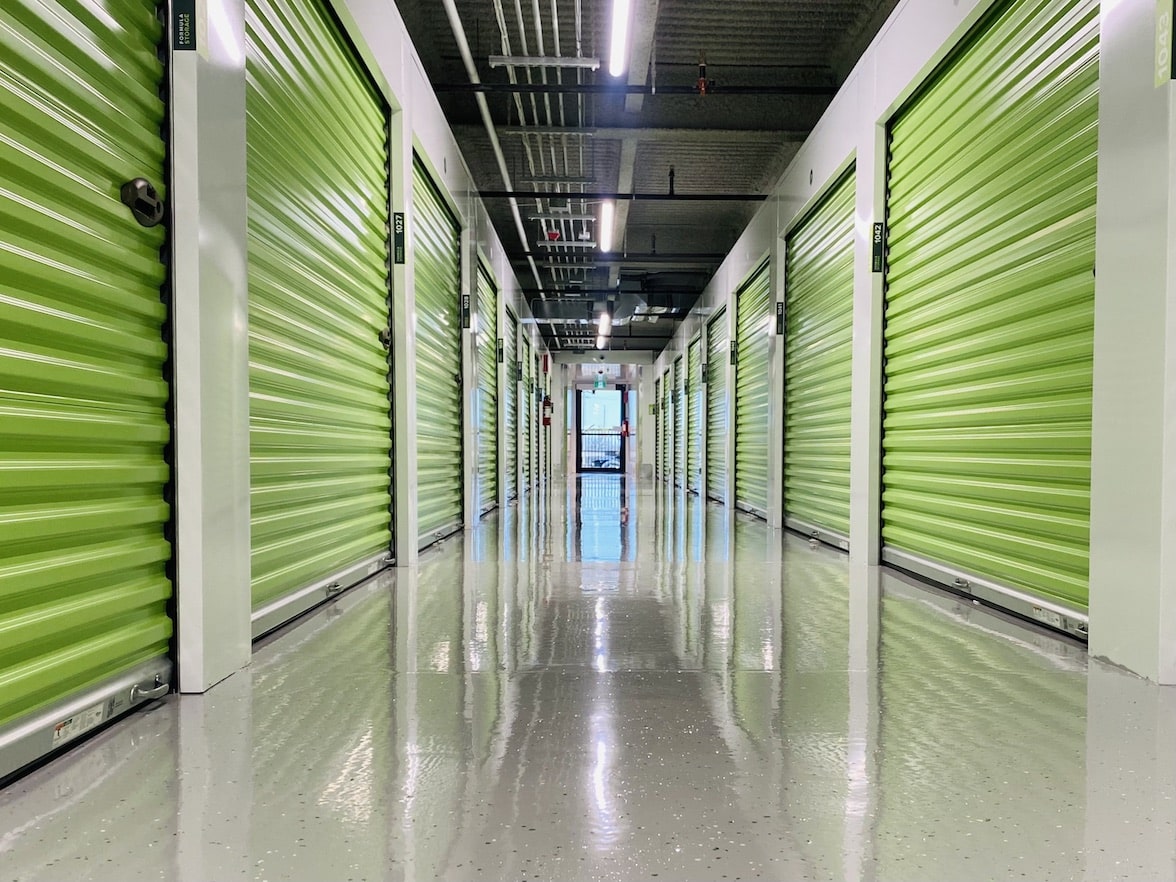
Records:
x=615, y=681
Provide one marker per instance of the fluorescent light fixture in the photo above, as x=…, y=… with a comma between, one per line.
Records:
x=618, y=55
x=600, y=341
x=606, y=226
x=605, y=322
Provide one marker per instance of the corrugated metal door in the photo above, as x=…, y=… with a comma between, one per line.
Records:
x=83, y=398
x=753, y=306
x=510, y=449
x=436, y=239
x=658, y=447
x=716, y=406
x=694, y=427
x=537, y=399
x=667, y=426
x=989, y=306
x=527, y=411
x=487, y=343
x=680, y=421
x=320, y=427
x=818, y=362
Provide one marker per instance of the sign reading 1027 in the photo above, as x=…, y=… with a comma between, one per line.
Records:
x=398, y=237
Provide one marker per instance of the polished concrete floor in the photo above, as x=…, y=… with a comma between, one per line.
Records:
x=615, y=682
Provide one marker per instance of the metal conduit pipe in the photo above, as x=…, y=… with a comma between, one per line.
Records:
x=463, y=47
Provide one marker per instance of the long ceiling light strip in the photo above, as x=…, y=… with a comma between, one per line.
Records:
x=618, y=57
x=606, y=226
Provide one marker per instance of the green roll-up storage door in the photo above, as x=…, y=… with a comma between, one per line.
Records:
x=818, y=363
x=527, y=412
x=694, y=428
x=510, y=449
x=320, y=429
x=989, y=307
x=659, y=463
x=680, y=421
x=753, y=306
x=667, y=426
x=436, y=239
x=488, y=446
x=716, y=406
x=83, y=396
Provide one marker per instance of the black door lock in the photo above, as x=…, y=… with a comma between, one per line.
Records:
x=143, y=201
x=386, y=338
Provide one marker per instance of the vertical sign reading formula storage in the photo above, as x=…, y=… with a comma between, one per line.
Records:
x=184, y=25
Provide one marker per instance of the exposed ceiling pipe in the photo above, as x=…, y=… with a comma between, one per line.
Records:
x=463, y=47
x=522, y=26
x=635, y=89
x=640, y=197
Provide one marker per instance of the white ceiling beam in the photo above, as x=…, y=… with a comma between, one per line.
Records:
x=641, y=49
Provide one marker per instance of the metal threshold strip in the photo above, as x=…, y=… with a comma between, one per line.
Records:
x=432, y=538
x=812, y=531
x=283, y=609
x=33, y=738
x=1051, y=613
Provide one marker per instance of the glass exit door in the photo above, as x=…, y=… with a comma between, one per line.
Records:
x=600, y=442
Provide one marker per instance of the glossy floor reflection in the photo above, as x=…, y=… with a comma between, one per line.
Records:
x=615, y=681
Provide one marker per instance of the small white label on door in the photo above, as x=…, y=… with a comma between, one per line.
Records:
x=1048, y=616
x=78, y=724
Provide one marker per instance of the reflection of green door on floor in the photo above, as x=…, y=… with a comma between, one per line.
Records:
x=599, y=441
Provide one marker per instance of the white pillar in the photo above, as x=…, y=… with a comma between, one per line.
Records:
x=471, y=508
x=865, y=470
x=211, y=352
x=777, y=281
x=404, y=350
x=1133, y=466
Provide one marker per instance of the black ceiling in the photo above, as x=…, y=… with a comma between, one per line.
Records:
x=570, y=137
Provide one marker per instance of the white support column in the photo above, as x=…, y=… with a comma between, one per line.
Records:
x=503, y=388
x=214, y=776
x=211, y=351
x=776, y=390
x=471, y=510
x=644, y=422
x=559, y=420
x=1133, y=467
x=865, y=471
x=1130, y=777
x=404, y=350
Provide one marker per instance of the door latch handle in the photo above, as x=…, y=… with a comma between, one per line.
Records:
x=138, y=693
x=386, y=338
x=143, y=201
